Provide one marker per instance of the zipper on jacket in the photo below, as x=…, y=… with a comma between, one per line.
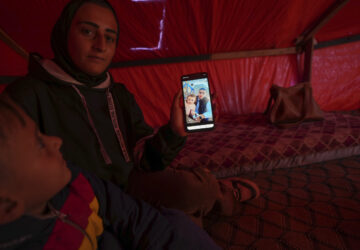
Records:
x=53, y=214
x=64, y=218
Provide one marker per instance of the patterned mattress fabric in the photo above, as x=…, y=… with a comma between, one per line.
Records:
x=245, y=143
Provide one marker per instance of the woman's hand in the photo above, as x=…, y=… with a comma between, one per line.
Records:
x=177, y=115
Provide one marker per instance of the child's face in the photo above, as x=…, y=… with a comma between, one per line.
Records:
x=190, y=100
x=36, y=165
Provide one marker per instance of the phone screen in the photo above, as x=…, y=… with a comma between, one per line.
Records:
x=197, y=102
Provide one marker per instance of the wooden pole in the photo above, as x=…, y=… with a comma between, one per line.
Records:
x=311, y=31
x=253, y=53
x=309, y=48
x=305, y=42
x=14, y=45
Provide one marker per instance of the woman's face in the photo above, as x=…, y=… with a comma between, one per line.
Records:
x=92, y=38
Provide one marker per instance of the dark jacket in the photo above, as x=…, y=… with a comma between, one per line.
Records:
x=57, y=109
x=202, y=104
x=90, y=213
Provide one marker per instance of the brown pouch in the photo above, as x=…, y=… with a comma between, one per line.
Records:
x=292, y=105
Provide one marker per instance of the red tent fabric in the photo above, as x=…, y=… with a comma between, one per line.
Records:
x=158, y=29
x=242, y=85
x=163, y=28
x=12, y=64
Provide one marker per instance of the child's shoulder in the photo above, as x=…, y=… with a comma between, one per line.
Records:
x=82, y=189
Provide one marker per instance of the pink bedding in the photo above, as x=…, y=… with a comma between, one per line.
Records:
x=246, y=143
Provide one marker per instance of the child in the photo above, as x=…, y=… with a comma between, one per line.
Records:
x=46, y=205
x=190, y=105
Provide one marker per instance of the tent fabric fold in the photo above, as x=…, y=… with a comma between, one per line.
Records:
x=154, y=29
x=164, y=28
x=242, y=85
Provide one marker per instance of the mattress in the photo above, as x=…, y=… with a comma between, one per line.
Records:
x=245, y=143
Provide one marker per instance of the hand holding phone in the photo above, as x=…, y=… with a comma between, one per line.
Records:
x=197, y=102
x=176, y=115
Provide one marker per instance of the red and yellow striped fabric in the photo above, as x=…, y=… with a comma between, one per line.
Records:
x=81, y=208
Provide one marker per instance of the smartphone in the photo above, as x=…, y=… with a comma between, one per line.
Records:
x=198, y=111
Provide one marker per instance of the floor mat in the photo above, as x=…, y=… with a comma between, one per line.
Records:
x=311, y=207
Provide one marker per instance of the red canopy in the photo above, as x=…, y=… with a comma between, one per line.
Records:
x=158, y=29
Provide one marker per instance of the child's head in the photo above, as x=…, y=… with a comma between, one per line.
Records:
x=32, y=169
x=190, y=99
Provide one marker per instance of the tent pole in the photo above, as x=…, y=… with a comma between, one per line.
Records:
x=305, y=42
x=311, y=31
x=206, y=57
x=14, y=45
x=309, y=48
x=253, y=53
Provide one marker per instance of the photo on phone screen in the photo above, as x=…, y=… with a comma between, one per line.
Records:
x=197, y=102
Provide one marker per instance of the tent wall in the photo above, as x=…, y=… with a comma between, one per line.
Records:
x=336, y=77
x=242, y=85
x=12, y=64
x=161, y=29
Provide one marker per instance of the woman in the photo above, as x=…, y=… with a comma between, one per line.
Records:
x=74, y=97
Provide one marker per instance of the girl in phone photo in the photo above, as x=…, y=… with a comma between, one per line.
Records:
x=190, y=107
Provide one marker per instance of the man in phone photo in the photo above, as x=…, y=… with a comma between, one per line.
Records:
x=203, y=107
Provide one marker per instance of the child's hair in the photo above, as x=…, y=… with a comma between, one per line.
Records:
x=7, y=109
x=8, y=113
x=191, y=95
